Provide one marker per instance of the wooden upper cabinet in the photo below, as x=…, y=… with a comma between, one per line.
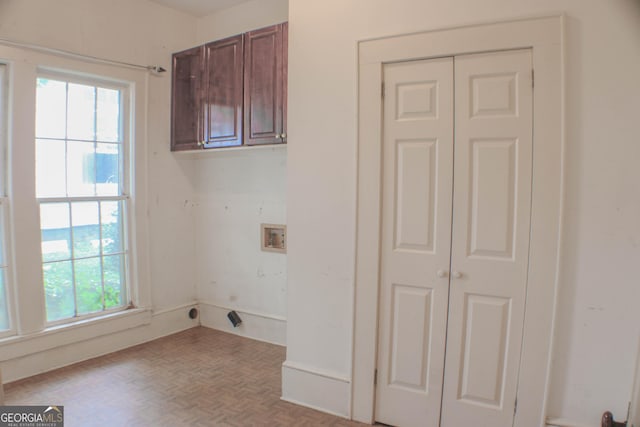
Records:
x=265, y=64
x=223, y=92
x=231, y=92
x=186, y=123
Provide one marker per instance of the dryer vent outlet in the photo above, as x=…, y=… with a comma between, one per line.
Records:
x=234, y=319
x=193, y=313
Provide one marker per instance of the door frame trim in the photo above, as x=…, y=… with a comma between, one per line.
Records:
x=544, y=36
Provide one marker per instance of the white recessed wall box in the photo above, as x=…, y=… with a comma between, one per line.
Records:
x=273, y=238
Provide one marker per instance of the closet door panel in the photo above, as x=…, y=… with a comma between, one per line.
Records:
x=416, y=234
x=490, y=238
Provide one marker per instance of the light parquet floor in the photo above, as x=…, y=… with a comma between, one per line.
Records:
x=199, y=377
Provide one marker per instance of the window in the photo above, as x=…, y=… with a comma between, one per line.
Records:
x=5, y=323
x=82, y=189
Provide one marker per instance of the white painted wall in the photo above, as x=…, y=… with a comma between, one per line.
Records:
x=244, y=17
x=598, y=320
x=139, y=32
x=236, y=191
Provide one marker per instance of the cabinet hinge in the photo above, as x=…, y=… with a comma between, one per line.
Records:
x=375, y=377
x=532, y=79
x=382, y=90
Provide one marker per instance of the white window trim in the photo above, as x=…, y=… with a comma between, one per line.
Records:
x=4, y=201
x=8, y=278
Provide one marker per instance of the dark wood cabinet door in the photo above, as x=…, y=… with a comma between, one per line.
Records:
x=186, y=111
x=264, y=86
x=223, y=92
x=285, y=78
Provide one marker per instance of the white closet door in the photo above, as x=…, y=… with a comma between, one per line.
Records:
x=490, y=240
x=416, y=235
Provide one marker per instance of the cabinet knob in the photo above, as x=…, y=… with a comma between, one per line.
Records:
x=284, y=135
x=441, y=273
x=456, y=274
x=278, y=136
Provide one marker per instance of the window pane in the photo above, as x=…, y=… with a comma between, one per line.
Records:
x=51, y=98
x=81, y=107
x=86, y=229
x=56, y=234
x=114, y=281
x=4, y=309
x=108, y=116
x=4, y=304
x=3, y=261
x=107, y=169
x=50, y=168
x=81, y=168
x=58, y=288
x=111, y=214
x=81, y=158
x=88, y=285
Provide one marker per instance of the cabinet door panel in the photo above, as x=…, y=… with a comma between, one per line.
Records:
x=285, y=77
x=186, y=114
x=264, y=85
x=223, y=92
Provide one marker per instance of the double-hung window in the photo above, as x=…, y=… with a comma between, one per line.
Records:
x=82, y=186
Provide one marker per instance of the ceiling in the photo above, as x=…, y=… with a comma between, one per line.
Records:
x=199, y=7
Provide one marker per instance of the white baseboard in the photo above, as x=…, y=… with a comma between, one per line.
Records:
x=563, y=422
x=51, y=357
x=261, y=327
x=314, y=389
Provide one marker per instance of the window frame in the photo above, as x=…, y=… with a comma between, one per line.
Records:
x=32, y=333
x=5, y=73
x=125, y=188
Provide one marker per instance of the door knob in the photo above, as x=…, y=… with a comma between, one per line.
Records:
x=456, y=274
x=441, y=273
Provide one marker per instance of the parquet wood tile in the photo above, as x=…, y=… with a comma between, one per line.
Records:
x=199, y=377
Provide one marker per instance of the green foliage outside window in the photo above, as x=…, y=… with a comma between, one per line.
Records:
x=88, y=272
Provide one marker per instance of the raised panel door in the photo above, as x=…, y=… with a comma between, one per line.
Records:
x=222, y=101
x=416, y=235
x=465, y=252
x=490, y=237
x=264, y=86
x=186, y=111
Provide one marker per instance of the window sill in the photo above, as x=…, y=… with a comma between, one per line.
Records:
x=70, y=333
